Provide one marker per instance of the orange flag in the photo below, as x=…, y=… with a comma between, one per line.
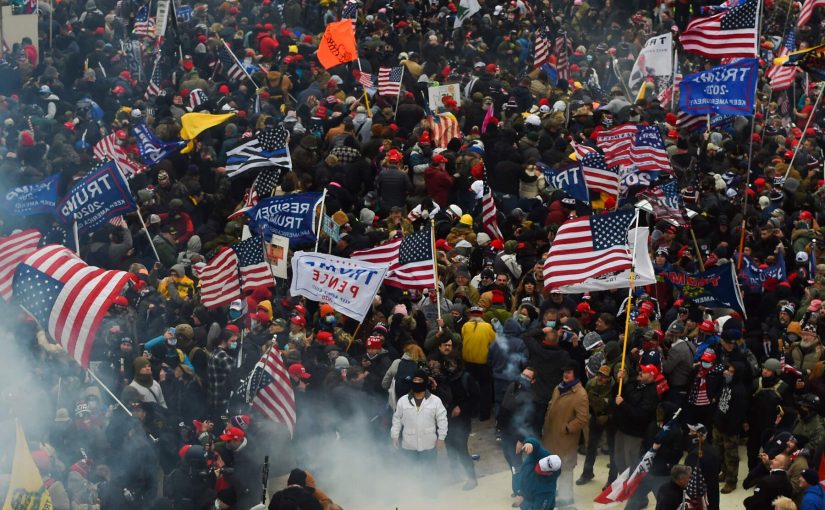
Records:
x=337, y=46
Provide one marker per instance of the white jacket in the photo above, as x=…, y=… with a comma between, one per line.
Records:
x=420, y=426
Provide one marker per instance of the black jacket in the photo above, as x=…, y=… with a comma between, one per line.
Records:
x=637, y=410
x=669, y=496
x=294, y=497
x=732, y=407
x=548, y=362
x=711, y=464
x=767, y=489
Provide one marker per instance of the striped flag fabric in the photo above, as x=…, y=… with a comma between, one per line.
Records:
x=108, y=149
x=587, y=247
x=696, y=492
x=67, y=297
x=14, y=249
x=263, y=185
x=389, y=80
x=489, y=213
x=648, y=151
x=445, y=127
x=782, y=77
x=410, y=260
x=807, y=11
x=350, y=10
x=616, y=144
x=667, y=203
x=144, y=24
x=541, y=50
x=367, y=80
x=153, y=88
x=598, y=176
x=269, y=390
x=219, y=280
x=564, y=47
x=728, y=34
x=254, y=270
x=267, y=149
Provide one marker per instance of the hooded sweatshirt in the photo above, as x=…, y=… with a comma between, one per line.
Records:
x=508, y=354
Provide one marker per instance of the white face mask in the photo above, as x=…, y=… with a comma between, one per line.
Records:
x=217, y=504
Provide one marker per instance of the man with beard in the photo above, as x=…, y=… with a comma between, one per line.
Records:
x=770, y=395
x=121, y=364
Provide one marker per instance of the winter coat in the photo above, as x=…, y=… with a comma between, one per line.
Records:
x=637, y=410
x=393, y=187
x=678, y=364
x=477, y=337
x=768, y=488
x=814, y=498
x=548, y=362
x=567, y=415
x=732, y=407
x=534, y=486
x=508, y=354
x=419, y=428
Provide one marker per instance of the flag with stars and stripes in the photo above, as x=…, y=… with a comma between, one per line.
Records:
x=782, y=77
x=696, y=492
x=807, y=11
x=445, y=127
x=144, y=24
x=14, y=249
x=263, y=186
x=598, y=177
x=350, y=10
x=269, y=390
x=67, y=297
x=729, y=34
x=648, y=151
x=239, y=267
x=667, y=203
x=267, y=149
x=541, y=49
x=368, y=81
x=588, y=247
x=389, y=80
x=254, y=270
x=153, y=88
x=410, y=260
x=564, y=47
x=108, y=149
x=489, y=213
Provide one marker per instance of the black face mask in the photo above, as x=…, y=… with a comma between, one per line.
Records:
x=418, y=387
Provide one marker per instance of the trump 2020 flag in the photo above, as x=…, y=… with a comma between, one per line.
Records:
x=290, y=216
x=655, y=59
x=714, y=288
x=67, y=297
x=96, y=199
x=152, y=149
x=26, y=488
x=727, y=89
x=753, y=276
x=40, y=198
x=348, y=285
x=568, y=179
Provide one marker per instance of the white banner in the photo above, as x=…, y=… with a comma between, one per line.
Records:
x=644, y=269
x=655, y=59
x=276, y=255
x=161, y=18
x=434, y=94
x=348, y=285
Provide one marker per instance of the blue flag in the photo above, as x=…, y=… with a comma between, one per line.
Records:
x=291, y=216
x=715, y=288
x=754, y=276
x=152, y=149
x=31, y=199
x=97, y=198
x=727, y=89
x=569, y=179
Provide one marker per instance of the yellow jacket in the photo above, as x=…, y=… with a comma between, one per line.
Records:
x=476, y=338
x=184, y=284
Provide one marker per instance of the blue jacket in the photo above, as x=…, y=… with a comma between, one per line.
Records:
x=183, y=358
x=814, y=498
x=535, y=487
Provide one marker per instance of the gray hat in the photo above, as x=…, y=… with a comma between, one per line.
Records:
x=592, y=340
x=773, y=365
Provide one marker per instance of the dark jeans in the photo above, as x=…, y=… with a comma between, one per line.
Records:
x=456, y=443
x=593, y=440
x=508, y=448
x=484, y=376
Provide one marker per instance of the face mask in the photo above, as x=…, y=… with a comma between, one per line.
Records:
x=330, y=319
x=217, y=504
x=524, y=381
x=707, y=364
x=550, y=324
x=418, y=387
x=728, y=378
x=523, y=318
x=233, y=345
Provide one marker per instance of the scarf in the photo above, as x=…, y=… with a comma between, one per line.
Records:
x=565, y=387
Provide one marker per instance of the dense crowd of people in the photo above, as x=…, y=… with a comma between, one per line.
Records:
x=559, y=375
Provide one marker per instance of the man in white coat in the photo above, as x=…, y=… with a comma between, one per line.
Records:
x=419, y=424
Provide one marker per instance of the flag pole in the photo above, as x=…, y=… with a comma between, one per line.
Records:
x=629, y=299
x=239, y=63
x=266, y=259
x=807, y=125
x=143, y=224
x=320, y=219
x=435, y=268
x=76, y=237
x=698, y=253
x=102, y=385
x=398, y=96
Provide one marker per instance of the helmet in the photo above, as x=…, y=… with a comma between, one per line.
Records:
x=708, y=327
x=533, y=120
x=467, y=220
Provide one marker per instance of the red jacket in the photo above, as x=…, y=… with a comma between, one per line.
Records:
x=438, y=184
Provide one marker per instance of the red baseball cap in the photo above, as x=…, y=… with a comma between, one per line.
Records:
x=232, y=434
x=374, y=342
x=439, y=158
x=299, y=371
x=325, y=338
x=649, y=369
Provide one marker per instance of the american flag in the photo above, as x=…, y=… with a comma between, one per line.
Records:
x=350, y=10
x=696, y=492
x=690, y=122
x=564, y=47
x=489, y=213
x=626, y=483
x=67, y=297
x=13, y=250
x=220, y=284
x=144, y=24
x=729, y=34
x=267, y=149
x=368, y=81
x=616, y=144
x=410, y=260
x=197, y=97
x=445, y=127
x=648, y=151
x=389, y=80
x=667, y=203
x=598, y=176
x=807, y=11
x=782, y=77
x=587, y=247
x=107, y=148
x=541, y=50
x=265, y=182
x=254, y=270
x=153, y=88
x=269, y=390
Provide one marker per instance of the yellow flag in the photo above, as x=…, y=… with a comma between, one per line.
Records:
x=193, y=124
x=26, y=491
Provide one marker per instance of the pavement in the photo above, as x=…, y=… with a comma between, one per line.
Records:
x=380, y=489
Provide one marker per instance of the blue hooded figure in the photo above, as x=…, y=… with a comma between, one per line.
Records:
x=537, y=479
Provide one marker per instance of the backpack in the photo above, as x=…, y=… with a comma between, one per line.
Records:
x=404, y=377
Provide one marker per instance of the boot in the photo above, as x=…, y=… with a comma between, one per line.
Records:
x=584, y=478
x=728, y=488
